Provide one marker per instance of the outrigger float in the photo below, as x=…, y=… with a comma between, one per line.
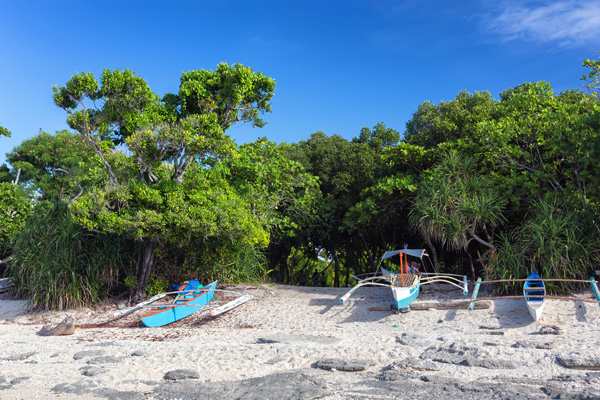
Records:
x=534, y=293
x=406, y=284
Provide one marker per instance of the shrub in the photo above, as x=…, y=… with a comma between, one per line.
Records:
x=59, y=264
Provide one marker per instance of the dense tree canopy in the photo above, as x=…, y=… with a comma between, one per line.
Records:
x=161, y=193
x=488, y=186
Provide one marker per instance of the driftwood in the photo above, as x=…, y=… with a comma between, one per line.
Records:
x=484, y=305
x=67, y=327
x=229, y=306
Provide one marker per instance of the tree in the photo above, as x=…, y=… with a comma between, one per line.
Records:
x=592, y=78
x=344, y=169
x=454, y=121
x=4, y=131
x=283, y=195
x=379, y=138
x=543, y=141
x=15, y=205
x=57, y=166
x=161, y=194
x=458, y=208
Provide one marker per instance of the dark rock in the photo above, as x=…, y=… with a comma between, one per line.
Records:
x=20, y=357
x=344, y=365
x=410, y=339
x=443, y=379
x=580, y=361
x=87, y=353
x=415, y=364
x=112, y=394
x=180, y=374
x=291, y=338
x=92, y=371
x=558, y=393
x=488, y=363
x=394, y=375
x=104, y=360
x=444, y=386
x=138, y=353
x=551, y=330
x=104, y=344
x=79, y=388
x=20, y=379
x=535, y=345
x=289, y=386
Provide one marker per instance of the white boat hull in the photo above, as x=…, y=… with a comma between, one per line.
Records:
x=535, y=309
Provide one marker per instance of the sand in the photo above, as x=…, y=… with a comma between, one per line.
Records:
x=289, y=328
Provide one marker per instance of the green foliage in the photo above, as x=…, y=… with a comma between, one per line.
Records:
x=592, y=78
x=557, y=241
x=162, y=195
x=543, y=142
x=58, y=264
x=4, y=131
x=54, y=164
x=157, y=285
x=225, y=96
x=201, y=209
x=282, y=195
x=15, y=206
x=455, y=206
x=452, y=121
x=379, y=138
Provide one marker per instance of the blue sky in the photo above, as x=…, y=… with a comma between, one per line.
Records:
x=339, y=65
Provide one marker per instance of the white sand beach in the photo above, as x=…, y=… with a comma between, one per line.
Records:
x=288, y=329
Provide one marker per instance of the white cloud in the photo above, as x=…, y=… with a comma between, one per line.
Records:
x=567, y=23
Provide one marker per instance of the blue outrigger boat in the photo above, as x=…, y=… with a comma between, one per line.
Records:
x=534, y=292
x=191, y=297
x=406, y=284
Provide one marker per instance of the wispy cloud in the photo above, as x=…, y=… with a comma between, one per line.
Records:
x=566, y=23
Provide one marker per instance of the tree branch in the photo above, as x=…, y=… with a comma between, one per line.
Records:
x=76, y=181
x=16, y=181
x=7, y=259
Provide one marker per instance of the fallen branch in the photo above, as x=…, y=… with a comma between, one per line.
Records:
x=231, y=305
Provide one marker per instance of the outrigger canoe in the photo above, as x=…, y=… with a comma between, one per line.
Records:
x=406, y=284
x=191, y=297
x=531, y=290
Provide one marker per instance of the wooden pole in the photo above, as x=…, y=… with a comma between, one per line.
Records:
x=401, y=271
x=475, y=293
x=539, y=297
x=537, y=280
x=595, y=289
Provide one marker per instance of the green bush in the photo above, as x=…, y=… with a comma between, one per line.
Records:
x=556, y=240
x=59, y=264
x=239, y=263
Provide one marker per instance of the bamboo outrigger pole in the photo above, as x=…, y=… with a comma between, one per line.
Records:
x=592, y=281
x=475, y=293
x=595, y=289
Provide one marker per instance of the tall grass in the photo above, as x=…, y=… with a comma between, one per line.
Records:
x=557, y=241
x=59, y=264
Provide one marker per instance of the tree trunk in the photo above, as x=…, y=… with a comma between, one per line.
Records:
x=433, y=255
x=146, y=263
x=336, y=276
